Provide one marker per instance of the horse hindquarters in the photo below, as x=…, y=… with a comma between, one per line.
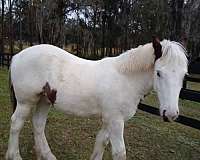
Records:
x=22, y=103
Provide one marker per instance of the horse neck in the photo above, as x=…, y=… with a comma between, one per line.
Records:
x=139, y=59
x=138, y=65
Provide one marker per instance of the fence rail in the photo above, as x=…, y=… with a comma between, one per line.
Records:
x=194, y=123
x=5, y=60
x=190, y=95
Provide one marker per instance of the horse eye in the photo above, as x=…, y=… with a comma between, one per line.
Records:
x=158, y=73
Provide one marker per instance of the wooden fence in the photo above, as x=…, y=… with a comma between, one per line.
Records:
x=187, y=94
x=5, y=59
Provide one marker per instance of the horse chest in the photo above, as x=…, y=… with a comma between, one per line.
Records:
x=128, y=110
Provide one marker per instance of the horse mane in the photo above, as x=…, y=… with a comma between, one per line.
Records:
x=136, y=60
x=142, y=58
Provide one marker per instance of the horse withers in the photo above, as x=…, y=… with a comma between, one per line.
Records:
x=44, y=75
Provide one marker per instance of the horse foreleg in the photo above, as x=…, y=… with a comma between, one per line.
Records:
x=39, y=121
x=100, y=144
x=17, y=122
x=116, y=130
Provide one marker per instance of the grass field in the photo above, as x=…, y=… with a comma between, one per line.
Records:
x=147, y=137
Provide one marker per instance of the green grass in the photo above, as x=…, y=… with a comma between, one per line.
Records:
x=147, y=137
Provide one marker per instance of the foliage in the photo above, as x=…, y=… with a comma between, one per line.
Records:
x=99, y=28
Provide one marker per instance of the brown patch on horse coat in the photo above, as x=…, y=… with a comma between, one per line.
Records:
x=49, y=93
x=157, y=48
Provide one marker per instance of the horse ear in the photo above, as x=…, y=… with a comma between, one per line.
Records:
x=157, y=47
x=184, y=40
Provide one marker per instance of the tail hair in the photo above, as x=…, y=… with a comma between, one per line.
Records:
x=12, y=93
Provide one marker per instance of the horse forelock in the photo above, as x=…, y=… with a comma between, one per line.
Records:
x=173, y=54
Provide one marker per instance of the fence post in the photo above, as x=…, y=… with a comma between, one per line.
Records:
x=185, y=83
x=1, y=59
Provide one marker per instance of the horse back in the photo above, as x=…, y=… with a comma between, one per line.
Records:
x=66, y=75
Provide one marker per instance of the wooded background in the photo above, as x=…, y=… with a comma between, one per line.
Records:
x=97, y=28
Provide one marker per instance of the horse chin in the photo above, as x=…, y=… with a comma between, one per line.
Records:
x=166, y=119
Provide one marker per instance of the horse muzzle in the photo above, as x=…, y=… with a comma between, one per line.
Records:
x=169, y=118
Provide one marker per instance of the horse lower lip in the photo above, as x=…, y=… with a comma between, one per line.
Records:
x=165, y=119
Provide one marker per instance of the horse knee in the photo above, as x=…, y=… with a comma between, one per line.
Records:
x=37, y=128
x=16, y=123
x=15, y=127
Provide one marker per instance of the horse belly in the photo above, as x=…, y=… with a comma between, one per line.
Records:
x=81, y=105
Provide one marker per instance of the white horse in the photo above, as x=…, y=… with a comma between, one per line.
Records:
x=44, y=76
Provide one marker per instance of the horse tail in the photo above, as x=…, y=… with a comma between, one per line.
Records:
x=12, y=92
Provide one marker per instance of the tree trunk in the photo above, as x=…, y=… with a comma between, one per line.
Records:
x=2, y=27
x=176, y=14
x=31, y=21
x=20, y=27
x=39, y=21
x=103, y=35
x=10, y=26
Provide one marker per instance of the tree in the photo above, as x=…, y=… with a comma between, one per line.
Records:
x=99, y=28
x=176, y=19
x=10, y=5
x=191, y=25
x=2, y=26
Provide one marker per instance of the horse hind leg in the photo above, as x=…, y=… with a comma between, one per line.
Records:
x=17, y=123
x=39, y=121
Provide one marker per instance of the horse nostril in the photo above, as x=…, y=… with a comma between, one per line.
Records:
x=177, y=112
x=165, y=118
x=164, y=113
